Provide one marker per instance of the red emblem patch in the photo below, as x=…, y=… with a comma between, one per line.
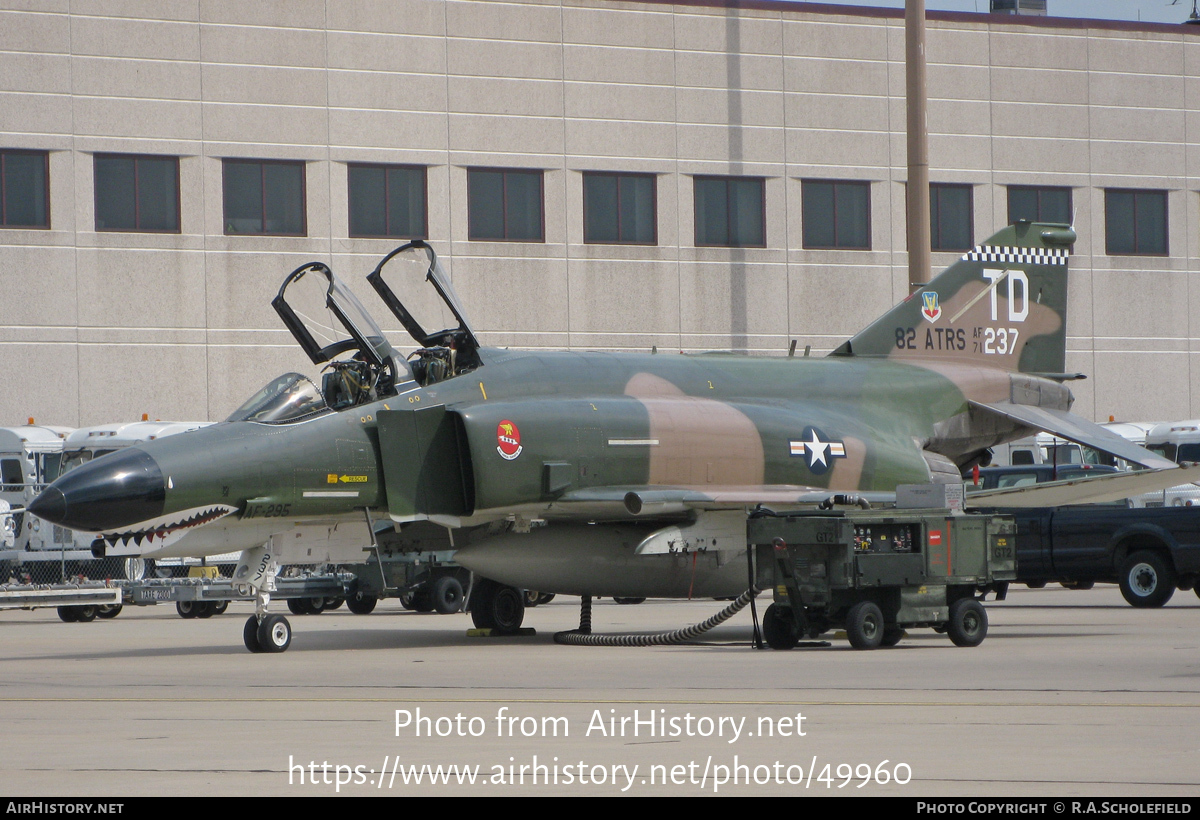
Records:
x=508, y=440
x=935, y=538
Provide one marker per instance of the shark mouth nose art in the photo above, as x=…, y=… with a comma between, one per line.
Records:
x=161, y=532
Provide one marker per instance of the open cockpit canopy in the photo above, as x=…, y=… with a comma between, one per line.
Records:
x=443, y=353
x=327, y=319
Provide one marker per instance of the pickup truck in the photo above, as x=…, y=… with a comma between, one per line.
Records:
x=1149, y=552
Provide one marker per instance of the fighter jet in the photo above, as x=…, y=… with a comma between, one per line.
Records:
x=587, y=473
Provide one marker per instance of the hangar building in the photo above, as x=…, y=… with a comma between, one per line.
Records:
x=689, y=175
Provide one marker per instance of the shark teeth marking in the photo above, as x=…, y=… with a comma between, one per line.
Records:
x=161, y=531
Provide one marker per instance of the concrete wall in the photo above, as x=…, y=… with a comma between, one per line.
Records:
x=98, y=327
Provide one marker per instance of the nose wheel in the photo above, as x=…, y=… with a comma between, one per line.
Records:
x=263, y=631
x=272, y=634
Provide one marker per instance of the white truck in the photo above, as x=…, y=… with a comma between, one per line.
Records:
x=1180, y=442
x=29, y=460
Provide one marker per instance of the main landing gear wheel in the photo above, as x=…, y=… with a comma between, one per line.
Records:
x=1147, y=580
x=447, y=595
x=968, y=622
x=864, y=625
x=274, y=634
x=361, y=604
x=779, y=628
x=497, y=607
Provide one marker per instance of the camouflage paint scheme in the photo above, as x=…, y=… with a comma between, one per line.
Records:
x=608, y=447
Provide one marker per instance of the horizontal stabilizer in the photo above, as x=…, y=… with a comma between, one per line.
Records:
x=1079, y=430
x=1091, y=490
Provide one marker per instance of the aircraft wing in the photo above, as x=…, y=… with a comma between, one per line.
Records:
x=1091, y=490
x=1081, y=431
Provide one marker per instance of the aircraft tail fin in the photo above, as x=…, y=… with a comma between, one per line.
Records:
x=1003, y=304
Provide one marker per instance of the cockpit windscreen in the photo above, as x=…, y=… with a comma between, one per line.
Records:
x=291, y=397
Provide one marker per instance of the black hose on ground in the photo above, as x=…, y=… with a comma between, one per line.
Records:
x=577, y=637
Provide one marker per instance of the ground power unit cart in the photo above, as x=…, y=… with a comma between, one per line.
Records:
x=878, y=573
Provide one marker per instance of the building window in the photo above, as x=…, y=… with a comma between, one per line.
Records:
x=836, y=214
x=1135, y=222
x=730, y=212
x=136, y=193
x=505, y=204
x=619, y=209
x=387, y=201
x=24, y=189
x=264, y=197
x=951, y=219
x=1039, y=204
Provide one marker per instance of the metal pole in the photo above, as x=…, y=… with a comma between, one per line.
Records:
x=918, y=144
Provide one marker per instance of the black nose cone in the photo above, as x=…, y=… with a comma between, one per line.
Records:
x=111, y=493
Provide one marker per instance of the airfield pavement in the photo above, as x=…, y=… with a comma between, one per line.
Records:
x=1073, y=693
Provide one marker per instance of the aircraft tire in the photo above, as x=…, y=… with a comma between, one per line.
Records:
x=275, y=634
x=497, y=607
x=1147, y=580
x=779, y=628
x=108, y=611
x=968, y=624
x=532, y=597
x=67, y=614
x=447, y=595
x=250, y=635
x=186, y=609
x=864, y=625
x=85, y=614
x=361, y=604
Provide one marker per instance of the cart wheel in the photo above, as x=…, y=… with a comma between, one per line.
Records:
x=779, y=627
x=67, y=614
x=204, y=609
x=968, y=622
x=219, y=607
x=186, y=609
x=361, y=604
x=447, y=594
x=892, y=634
x=109, y=611
x=864, y=625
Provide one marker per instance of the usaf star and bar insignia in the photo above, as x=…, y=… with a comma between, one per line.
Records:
x=817, y=450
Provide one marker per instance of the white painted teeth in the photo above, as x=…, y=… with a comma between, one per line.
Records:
x=160, y=531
